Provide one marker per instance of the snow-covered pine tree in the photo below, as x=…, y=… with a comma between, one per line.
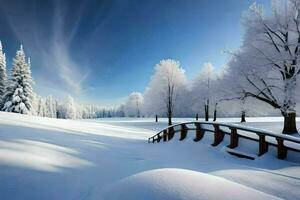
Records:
x=50, y=107
x=2, y=75
x=70, y=108
x=19, y=94
x=38, y=103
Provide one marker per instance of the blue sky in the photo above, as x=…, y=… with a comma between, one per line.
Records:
x=100, y=51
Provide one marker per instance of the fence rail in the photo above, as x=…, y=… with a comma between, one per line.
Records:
x=234, y=132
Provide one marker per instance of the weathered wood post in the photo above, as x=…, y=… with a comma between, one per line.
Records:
x=234, y=138
x=281, y=149
x=158, y=138
x=218, y=135
x=199, y=132
x=263, y=145
x=165, y=134
x=156, y=118
x=183, y=132
x=171, y=133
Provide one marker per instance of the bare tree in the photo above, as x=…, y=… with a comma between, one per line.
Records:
x=237, y=98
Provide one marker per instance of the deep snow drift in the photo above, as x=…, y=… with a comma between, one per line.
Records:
x=42, y=158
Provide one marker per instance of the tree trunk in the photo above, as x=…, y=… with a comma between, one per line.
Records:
x=170, y=104
x=215, y=115
x=170, y=115
x=169, y=120
x=243, y=116
x=206, y=112
x=138, y=114
x=289, y=106
x=289, y=123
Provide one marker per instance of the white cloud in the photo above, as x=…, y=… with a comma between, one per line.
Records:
x=52, y=54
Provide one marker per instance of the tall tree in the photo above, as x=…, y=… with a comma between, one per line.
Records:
x=50, y=107
x=163, y=93
x=19, y=94
x=268, y=61
x=40, y=106
x=70, y=108
x=2, y=74
x=133, y=105
x=203, y=90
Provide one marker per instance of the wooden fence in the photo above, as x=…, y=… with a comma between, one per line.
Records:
x=235, y=132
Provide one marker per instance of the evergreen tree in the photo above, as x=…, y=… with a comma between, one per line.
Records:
x=19, y=94
x=2, y=74
x=50, y=107
x=39, y=107
x=70, y=108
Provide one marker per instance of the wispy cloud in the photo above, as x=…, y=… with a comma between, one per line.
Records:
x=67, y=69
x=54, y=52
x=60, y=55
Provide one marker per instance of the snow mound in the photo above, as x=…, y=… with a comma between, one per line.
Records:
x=179, y=184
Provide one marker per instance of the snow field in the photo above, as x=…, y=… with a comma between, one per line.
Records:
x=44, y=158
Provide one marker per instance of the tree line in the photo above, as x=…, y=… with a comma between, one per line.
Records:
x=17, y=95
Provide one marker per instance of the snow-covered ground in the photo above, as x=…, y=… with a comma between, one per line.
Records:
x=42, y=158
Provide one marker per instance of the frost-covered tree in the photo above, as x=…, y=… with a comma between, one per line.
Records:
x=268, y=60
x=228, y=87
x=70, y=108
x=203, y=91
x=2, y=74
x=19, y=94
x=121, y=111
x=163, y=92
x=40, y=106
x=50, y=107
x=133, y=105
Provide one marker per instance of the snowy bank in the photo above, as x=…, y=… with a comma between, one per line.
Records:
x=180, y=184
x=44, y=158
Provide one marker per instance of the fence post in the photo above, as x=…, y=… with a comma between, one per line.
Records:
x=171, y=133
x=199, y=132
x=281, y=149
x=165, y=135
x=263, y=145
x=218, y=135
x=234, y=138
x=183, y=132
x=158, y=138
